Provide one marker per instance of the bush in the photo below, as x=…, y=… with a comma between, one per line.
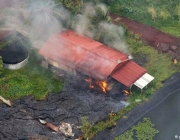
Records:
x=142, y=131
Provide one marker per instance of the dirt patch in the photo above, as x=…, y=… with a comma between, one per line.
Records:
x=163, y=42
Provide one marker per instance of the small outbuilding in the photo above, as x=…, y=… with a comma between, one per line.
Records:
x=72, y=52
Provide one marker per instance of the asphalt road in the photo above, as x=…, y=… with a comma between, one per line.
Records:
x=166, y=118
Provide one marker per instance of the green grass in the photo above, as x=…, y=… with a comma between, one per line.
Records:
x=29, y=80
x=159, y=65
x=163, y=15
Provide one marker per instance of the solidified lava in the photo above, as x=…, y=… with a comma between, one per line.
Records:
x=22, y=120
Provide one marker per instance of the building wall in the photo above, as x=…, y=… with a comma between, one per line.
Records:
x=61, y=66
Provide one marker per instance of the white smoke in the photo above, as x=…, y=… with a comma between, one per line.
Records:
x=38, y=19
x=105, y=32
x=113, y=36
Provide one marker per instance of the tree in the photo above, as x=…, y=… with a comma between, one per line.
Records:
x=73, y=5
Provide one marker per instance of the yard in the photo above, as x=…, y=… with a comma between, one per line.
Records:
x=29, y=80
x=37, y=81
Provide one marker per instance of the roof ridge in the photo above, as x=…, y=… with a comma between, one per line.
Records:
x=80, y=45
x=101, y=44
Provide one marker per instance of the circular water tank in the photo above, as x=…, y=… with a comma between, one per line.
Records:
x=14, y=56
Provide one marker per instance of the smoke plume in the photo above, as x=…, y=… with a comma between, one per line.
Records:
x=38, y=19
x=95, y=23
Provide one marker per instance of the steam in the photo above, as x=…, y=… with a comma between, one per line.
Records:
x=45, y=18
x=103, y=31
x=113, y=36
x=38, y=19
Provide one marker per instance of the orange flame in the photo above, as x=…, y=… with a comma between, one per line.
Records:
x=103, y=85
x=90, y=82
x=126, y=92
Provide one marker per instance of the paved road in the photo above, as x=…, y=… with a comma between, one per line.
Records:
x=163, y=108
x=166, y=118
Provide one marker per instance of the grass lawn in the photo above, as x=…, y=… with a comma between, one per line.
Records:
x=163, y=15
x=29, y=80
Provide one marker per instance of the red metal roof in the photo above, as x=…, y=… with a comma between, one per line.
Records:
x=94, y=46
x=128, y=73
x=90, y=57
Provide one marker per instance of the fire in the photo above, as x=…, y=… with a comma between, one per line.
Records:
x=90, y=82
x=103, y=85
x=91, y=86
x=126, y=92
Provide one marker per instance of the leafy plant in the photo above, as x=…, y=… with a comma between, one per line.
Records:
x=142, y=131
x=145, y=130
x=86, y=127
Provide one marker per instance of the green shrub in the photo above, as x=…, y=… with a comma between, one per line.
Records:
x=142, y=131
x=145, y=130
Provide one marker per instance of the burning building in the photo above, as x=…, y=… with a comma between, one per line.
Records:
x=75, y=53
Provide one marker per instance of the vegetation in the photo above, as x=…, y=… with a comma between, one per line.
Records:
x=1, y=65
x=89, y=130
x=142, y=131
x=164, y=15
x=157, y=64
x=29, y=80
x=74, y=6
